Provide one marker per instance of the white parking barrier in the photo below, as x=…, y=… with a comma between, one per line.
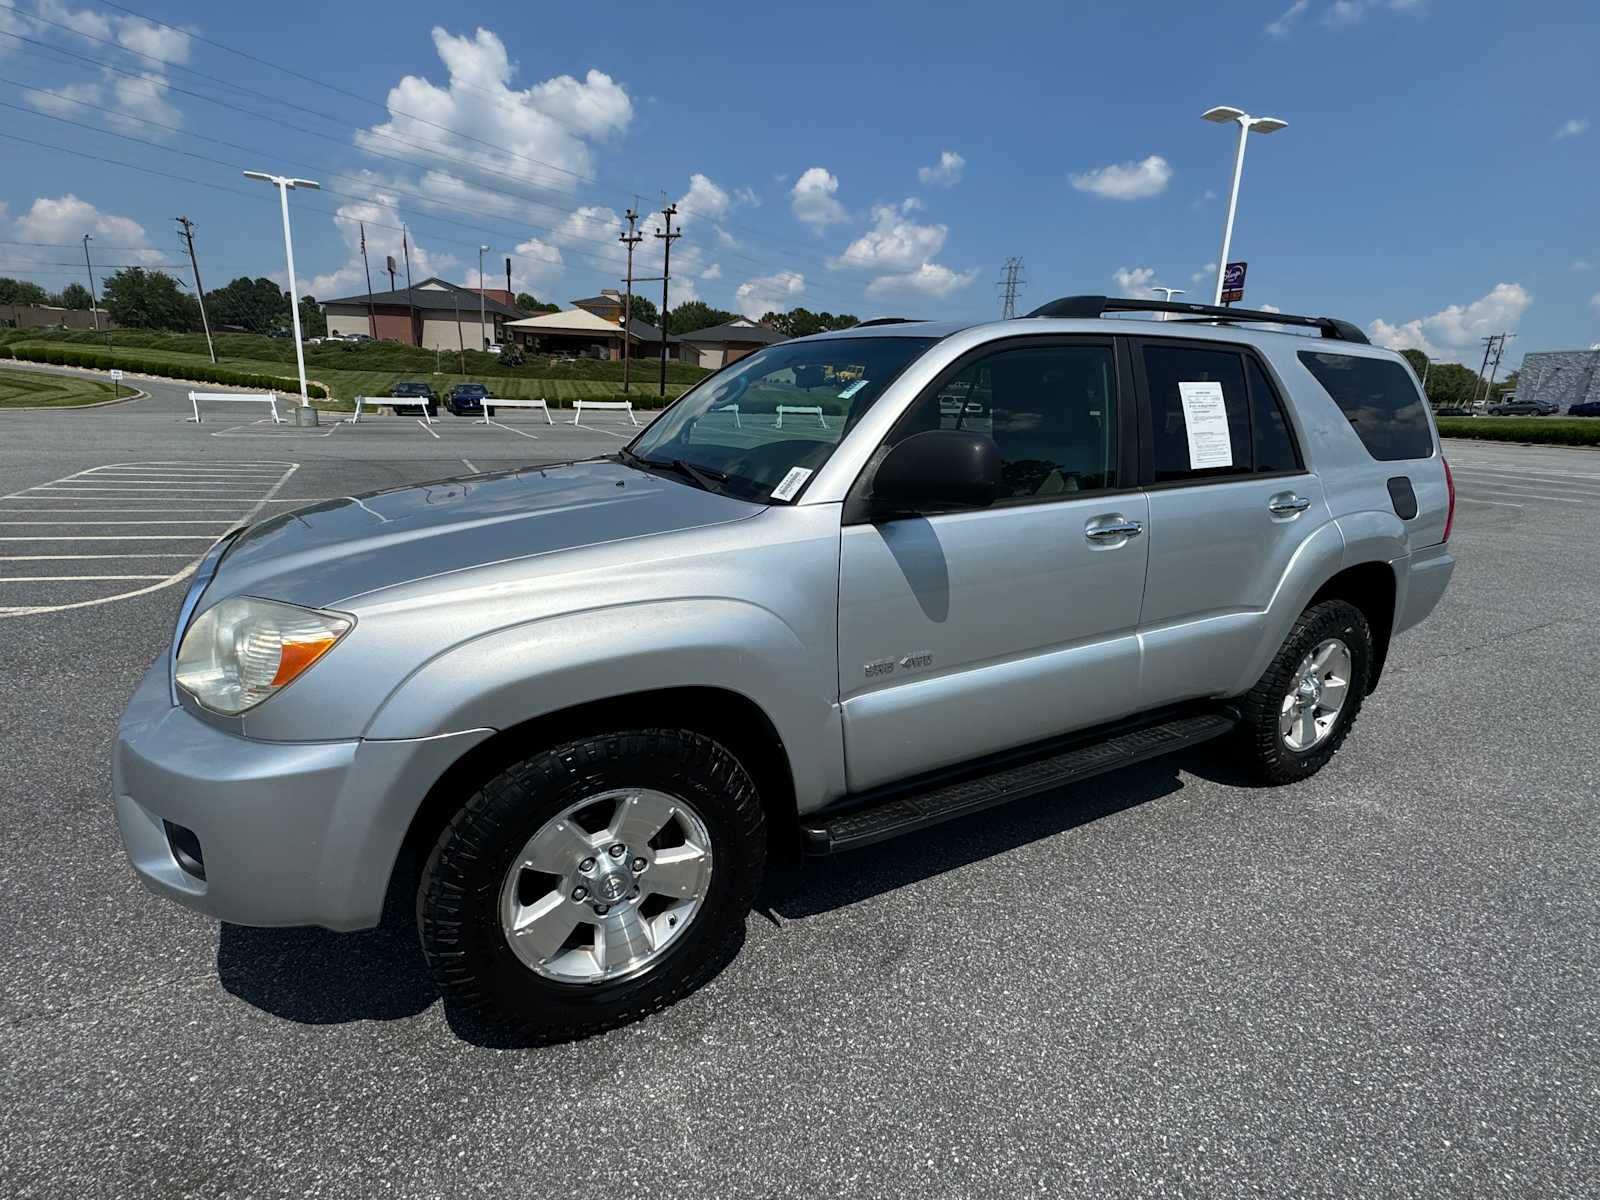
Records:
x=814, y=410
x=270, y=399
x=492, y=402
x=622, y=405
x=734, y=409
x=395, y=402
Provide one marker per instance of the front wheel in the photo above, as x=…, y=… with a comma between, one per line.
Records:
x=1303, y=707
x=594, y=883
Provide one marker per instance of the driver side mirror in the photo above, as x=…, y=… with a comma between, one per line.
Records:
x=937, y=470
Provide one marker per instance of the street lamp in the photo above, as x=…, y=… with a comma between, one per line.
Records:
x=1222, y=114
x=482, y=250
x=1170, y=293
x=284, y=185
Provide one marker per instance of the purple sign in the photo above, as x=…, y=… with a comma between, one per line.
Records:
x=1233, y=282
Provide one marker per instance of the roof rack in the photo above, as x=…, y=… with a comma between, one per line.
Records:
x=1097, y=306
x=888, y=321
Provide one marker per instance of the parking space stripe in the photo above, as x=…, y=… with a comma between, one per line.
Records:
x=508, y=429
x=1522, y=494
x=75, y=557
x=70, y=578
x=115, y=537
x=1476, y=500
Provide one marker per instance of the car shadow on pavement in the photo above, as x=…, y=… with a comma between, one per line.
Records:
x=806, y=889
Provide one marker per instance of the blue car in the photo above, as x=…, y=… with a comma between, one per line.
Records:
x=1589, y=409
x=466, y=399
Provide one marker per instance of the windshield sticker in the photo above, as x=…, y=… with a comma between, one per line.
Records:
x=1205, y=417
x=852, y=389
x=792, y=483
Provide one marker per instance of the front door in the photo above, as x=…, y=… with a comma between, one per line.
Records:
x=966, y=633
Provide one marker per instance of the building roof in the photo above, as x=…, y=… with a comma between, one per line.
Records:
x=646, y=332
x=572, y=320
x=602, y=298
x=740, y=330
x=433, y=295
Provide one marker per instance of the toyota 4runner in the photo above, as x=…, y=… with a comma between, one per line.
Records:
x=848, y=586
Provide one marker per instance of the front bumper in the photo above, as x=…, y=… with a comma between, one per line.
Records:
x=302, y=833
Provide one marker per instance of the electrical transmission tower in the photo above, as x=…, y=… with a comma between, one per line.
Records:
x=1010, y=284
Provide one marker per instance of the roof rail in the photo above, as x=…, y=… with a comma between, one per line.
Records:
x=888, y=321
x=1096, y=306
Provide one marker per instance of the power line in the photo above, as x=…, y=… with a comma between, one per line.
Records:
x=1010, y=284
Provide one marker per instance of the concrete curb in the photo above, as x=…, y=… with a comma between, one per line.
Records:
x=139, y=394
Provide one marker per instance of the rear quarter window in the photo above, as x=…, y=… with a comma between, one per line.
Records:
x=1379, y=399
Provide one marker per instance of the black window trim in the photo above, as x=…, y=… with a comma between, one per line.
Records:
x=1147, y=415
x=857, y=505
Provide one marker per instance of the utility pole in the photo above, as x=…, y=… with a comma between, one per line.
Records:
x=1009, y=286
x=630, y=240
x=187, y=233
x=482, y=300
x=372, y=315
x=411, y=304
x=94, y=303
x=1494, y=367
x=461, y=346
x=668, y=237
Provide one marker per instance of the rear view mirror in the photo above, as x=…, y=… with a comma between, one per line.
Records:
x=937, y=470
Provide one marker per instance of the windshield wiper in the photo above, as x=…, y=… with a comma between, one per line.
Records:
x=706, y=478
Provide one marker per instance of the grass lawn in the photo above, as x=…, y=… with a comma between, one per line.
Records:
x=35, y=389
x=1550, y=431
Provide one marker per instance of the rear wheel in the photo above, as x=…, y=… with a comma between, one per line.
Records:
x=594, y=883
x=1299, y=713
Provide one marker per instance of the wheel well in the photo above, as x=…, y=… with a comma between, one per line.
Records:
x=735, y=721
x=1371, y=588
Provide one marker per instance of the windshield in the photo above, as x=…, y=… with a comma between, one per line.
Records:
x=762, y=427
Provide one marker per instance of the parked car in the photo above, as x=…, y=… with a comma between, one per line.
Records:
x=466, y=399
x=1588, y=409
x=592, y=698
x=1517, y=407
x=422, y=391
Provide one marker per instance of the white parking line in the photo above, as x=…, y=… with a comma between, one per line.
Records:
x=70, y=578
x=427, y=430
x=1499, y=503
x=508, y=429
x=65, y=557
x=117, y=537
x=467, y=462
x=80, y=524
x=592, y=429
x=1523, y=494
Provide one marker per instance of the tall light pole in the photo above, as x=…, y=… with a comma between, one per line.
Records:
x=1170, y=293
x=1222, y=114
x=484, y=342
x=284, y=185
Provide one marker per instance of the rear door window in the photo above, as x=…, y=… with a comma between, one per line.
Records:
x=1199, y=413
x=1379, y=399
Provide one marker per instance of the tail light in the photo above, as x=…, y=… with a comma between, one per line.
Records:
x=1450, y=486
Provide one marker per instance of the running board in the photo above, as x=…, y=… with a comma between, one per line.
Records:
x=874, y=819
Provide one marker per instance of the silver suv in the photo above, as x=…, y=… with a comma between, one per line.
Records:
x=849, y=586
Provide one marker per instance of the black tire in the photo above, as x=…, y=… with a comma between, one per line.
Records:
x=458, y=899
x=1262, y=750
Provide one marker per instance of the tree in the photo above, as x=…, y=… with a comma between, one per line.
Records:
x=313, y=321
x=254, y=305
x=75, y=296
x=530, y=304
x=695, y=314
x=801, y=322
x=1450, y=385
x=1418, y=361
x=141, y=299
x=18, y=291
x=645, y=310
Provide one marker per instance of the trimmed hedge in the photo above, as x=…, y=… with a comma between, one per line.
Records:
x=1549, y=431
x=99, y=360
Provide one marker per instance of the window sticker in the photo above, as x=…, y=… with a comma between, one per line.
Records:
x=1205, y=419
x=852, y=389
x=792, y=483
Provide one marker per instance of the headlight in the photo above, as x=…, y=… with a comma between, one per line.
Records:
x=239, y=652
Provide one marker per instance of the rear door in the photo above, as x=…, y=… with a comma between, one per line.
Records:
x=1230, y=504
x=965, y=633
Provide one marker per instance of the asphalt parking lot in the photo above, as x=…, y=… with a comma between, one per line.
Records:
x=1384, y=981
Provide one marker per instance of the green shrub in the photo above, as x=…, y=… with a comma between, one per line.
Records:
x=99, y=360
x=1551, y=431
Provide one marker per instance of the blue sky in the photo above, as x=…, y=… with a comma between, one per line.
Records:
x=1437, y=181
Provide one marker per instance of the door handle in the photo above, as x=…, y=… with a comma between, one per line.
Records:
x=1112, y=528
x=1286, y=504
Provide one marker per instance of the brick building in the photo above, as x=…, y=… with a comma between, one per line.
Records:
x=425, y=315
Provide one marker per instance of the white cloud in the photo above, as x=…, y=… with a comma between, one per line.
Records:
x=704, y=200
x=381, y=214
x=1572, y=128
x=813, y=199
x=1453, y=332
x=893, y=243
x=1281, y=26
x=1209, y=271
x=1127, y=181
x=770, y=293
x=155, y=41
x=554, y=122
x=63, y=220
x=131, y=100
x=1343, y=12
x=929, y=279
x=748, y=196
x=1594, y=301
x=1581, y=264
x=1134, y=281
x=944, y=173
x=1270, y=308
x=714, y=271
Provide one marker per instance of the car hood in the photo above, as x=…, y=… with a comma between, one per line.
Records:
x=331, y=551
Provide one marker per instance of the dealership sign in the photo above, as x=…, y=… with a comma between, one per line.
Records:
x=1233, y=282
